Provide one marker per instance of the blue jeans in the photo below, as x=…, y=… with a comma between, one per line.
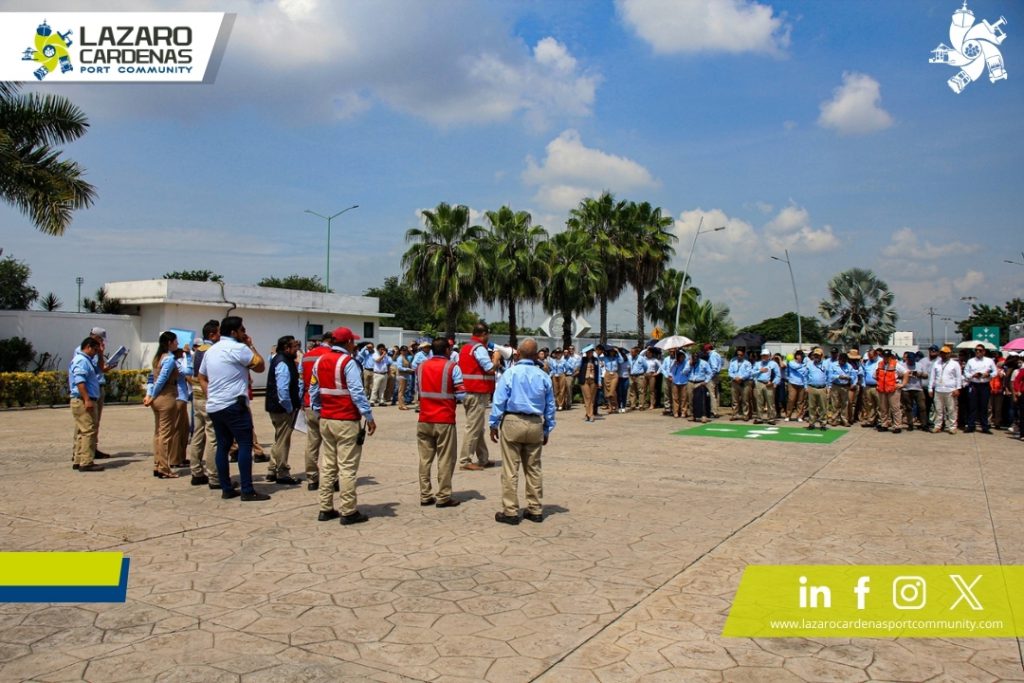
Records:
x=622, y=391
x=234, y=424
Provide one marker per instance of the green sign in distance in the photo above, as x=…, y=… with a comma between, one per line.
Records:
x=763, y=433
x=989, y=334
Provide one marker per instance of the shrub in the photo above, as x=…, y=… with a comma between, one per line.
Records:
x=51, y=388
x=15, y=354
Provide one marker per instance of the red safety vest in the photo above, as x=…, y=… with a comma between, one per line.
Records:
x=885, y=375
x=308, y=361
x=335, y=400
x=436, y=380
x=477, y=381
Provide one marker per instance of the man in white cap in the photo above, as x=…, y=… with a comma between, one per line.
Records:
x=766, y=375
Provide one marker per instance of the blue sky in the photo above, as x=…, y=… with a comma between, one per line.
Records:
x=814, y=126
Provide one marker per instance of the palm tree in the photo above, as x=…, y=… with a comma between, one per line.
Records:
x=576, y=276
x=660, y=302
x=50, y=302
x=102, y=303
x=443, y=261
x=706, y=321
x=858, y=309
x=516, y=272
x=649, y=250
x=33, y=176
x=601, y=219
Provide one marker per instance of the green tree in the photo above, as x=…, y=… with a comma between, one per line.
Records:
x=858, y=309
x=50, y=302
x=194, y=276
x=305, y=283
x=443, y=260
x=501, y=327
x=515, y=272
x=660, y=302
x=102, y=303
x=784, y=328
x=575, y=277
x=15, y=292
x=33, y=175
x=403, y=301
x=16, y=353
x=706, y=322
x=601, y=220
x=648, y=250
x=984, y=315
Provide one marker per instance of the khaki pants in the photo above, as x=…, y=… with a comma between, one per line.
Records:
x=313, y=441
x=436, y=442
x=840, y=394
x=795, y=397
x=889, y=409
x=85, y=432
x=869, y=411
x=611, y=397
x=563, y=392
x=909, y=400
x=944, y=407
x=589, y=394
x=368, y=383
x=402, y=382
x=389, y=389
x=474, y=445
x=179, y=447
x=817, y=398
x=741, y=399
x=98, y=409
x=764, y=395
x=380, y=383
x=282, y=443
x=679, y=399
x=651, y=390
x=165, y=415
x=637, y=392
x=203, y=446
x=851, y=408
x=712, y=385
x=522, y=440
x=341, y=463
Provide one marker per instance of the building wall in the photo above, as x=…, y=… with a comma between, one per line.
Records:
x=59, y=333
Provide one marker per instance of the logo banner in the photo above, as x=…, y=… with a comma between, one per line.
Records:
x=63, y=576
x=95, y=47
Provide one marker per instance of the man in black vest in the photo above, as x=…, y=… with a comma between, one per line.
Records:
x=284, y=400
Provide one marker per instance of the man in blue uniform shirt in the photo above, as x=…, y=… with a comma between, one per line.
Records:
x=766, y=376
x=739, y=374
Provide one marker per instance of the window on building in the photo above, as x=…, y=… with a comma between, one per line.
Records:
x=367, y=330
x=314, y=331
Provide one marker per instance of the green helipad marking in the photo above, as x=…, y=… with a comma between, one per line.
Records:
x=763, y=433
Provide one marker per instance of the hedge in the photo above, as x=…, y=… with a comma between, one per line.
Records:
x=51, y=388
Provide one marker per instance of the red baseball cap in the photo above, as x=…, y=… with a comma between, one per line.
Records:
x=343, y=335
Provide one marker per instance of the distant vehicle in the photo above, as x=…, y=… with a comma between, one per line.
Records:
x=959, y=82
x=996, y=70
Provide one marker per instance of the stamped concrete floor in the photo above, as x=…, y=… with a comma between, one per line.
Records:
x=629, y=577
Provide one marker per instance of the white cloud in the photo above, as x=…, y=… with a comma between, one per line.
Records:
x=736, y=244
x=791, y=229
x=679, y=26
x=855, y=107
x=969, y=281
x=906, y=245
x=572, y=171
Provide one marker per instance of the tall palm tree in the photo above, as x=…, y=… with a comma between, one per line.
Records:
x=575, y=277
x=33, y=176
x=515, y=270
x=660, y=302
x=601, y=220
x=858, y=308
x=704, y=321
x=648, y=250
x=443, y=261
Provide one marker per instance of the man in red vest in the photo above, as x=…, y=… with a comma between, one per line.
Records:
x=336, y=393
x=891, y=375
x=313, y=439
x=441, y=387
x=477, y=366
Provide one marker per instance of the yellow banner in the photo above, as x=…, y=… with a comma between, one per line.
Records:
x=871, y=601
x=60, y=569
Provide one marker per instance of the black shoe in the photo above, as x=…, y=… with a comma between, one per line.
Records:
x=254, y=496
x=881, y=429
x=183, y=464
x=337, y=485
x=75, y=466
x=986, y=431
x=288, y=481
x=534, y=516
x=100, y=455
x=200, y=480
x=271, y=477
x=328, y=515
x=506, y=519
x=91, y=468
x=215, y=485
x=824, y=428
x=897, y=430
x=428, y=501
x=868, y=426
x=233, y=493
x=313, y=486
x=450, y=503
x=261, y=458
x=968, y=430
x=355, y=518
x=232, y=458
x=757, y=422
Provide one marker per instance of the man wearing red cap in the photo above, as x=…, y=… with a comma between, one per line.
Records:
x=313, y=440
x=336, y=394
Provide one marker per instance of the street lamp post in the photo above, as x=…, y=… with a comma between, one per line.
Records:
x=945, y=330
x=796, y=300
x=970, y=304
x=686, y=269
x=78, y=281
x=327, y=275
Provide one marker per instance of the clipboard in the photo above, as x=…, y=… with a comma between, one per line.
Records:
x=117, y=357
x=300, y=422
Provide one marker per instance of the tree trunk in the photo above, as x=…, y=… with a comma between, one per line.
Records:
x=512, y=340
x=604, y=319
x=451, y=321
x=566, y=329
x=640, y=336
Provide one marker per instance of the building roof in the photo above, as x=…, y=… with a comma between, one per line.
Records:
x=216, y=295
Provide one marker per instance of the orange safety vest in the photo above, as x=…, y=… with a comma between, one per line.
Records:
x=477, y=381
x=436, y=379
x=308, y=361
x=885, y=375
x=335, y=400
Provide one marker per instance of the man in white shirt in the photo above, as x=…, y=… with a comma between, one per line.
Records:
x=379, y=363
x=944, y=386
x=978, y=372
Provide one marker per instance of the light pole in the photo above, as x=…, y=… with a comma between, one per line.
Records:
x=970, y=304
x=686, y=268
x=945, y=330
x=78, y=281
x=796, y=299
x=327, y=275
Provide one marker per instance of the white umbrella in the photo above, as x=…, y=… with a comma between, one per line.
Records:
x=973, y=343
x=674, y=342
